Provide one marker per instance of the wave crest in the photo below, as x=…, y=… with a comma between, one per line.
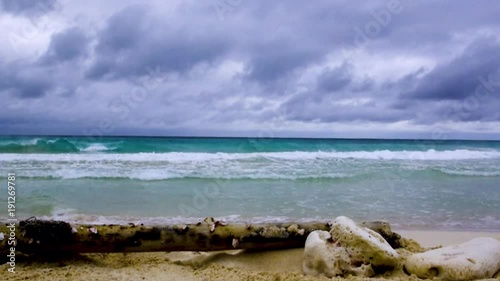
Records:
x=431, y=154
x=39, y=146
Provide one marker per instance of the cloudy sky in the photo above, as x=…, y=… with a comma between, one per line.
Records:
x=391, y=68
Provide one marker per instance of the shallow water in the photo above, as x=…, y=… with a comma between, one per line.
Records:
x=412, y=184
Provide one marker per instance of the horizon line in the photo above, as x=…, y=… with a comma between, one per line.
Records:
x=243, y=137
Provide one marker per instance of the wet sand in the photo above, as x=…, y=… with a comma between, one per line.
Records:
x=229, y=265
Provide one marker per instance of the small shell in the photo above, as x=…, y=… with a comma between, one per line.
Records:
x=212, y=228
x=185, y=227
x=301, y=232
x=93, y=230
x=74, y=230
x=2, y=236
x=235, y=243
x=30, y=241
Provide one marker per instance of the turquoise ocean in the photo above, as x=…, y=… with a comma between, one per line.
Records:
x=424, y=184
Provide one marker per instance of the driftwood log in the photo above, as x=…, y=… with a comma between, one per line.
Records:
x=49, y=237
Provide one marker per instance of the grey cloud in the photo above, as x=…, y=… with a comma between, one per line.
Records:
x=459, y=78
x=331, y=80
x=303, y=35
x=24, y=81
x=66, y=45
x=135, y=39
x=270, y=62
x=327, y=111
x=430, y=112
x=423, y=25
x=124, y=29
x=28, y=7
x=331, y=85
x=366, y=84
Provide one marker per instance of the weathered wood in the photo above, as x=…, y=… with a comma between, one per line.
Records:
x=42, y=237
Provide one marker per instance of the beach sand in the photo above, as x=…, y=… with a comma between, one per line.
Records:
x=230, y=265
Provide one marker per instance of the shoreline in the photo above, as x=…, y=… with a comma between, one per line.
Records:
x=225, y=265
x=433, y=238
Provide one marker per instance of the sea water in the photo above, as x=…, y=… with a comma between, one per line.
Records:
x=432, y=184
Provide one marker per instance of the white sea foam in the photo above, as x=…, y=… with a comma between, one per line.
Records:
x=95, y=147
x=73, y=217
x=29, y=142
x=470, y=172
x=183, y=157
x=275, y=165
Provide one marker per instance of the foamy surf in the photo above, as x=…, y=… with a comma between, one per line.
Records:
x=273, y=165
x=431, y=154
x=95, y=147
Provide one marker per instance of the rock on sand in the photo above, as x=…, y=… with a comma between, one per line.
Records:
x=475, y=259
x=347, y=249
x=322, y=257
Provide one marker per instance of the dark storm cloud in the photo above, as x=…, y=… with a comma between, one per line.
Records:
x=28, y=7
x=331, y=80
x=423, y=24
x=23, y=81
x=29, y=80
x=335, y=96
x=308, y=109
x=464, y=89
x=135, y=40
x=458, y=79
x=291, y=36
x=321, y=62
x=270, y=63
x=280, y=54
x=66, y=45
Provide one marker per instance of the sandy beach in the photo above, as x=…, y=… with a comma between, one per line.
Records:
x=229, y=265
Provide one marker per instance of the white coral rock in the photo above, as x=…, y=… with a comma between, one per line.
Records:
x=322, y=257
x=347, y=249
x=363, y=244
x=475, y=259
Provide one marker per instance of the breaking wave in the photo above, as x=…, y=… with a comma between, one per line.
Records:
x=265, y=165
